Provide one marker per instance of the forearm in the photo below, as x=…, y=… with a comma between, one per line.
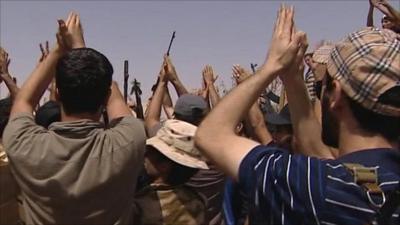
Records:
x=306, y=127
x=218, y=128
x=34, y=87
x=212, y=94
x=11, y=86
x=179, y=87
x=154, y=108
x=256, y=120
x=394, y=14
x=116, y=106
x=370, y=17
x=167, y=104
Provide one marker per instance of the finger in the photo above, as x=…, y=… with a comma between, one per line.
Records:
x=290, y=21
x=47, y=47
x=282, y=17
x=62, y=26
x=41, y=48
x=278, y=20
x=287, y=24
x=59, y=40
x=73, y=19
x=77, y=20
x=68, y=21
x=299, y=43
x=303, y=45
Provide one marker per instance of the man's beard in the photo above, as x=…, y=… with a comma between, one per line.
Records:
x=330, y=129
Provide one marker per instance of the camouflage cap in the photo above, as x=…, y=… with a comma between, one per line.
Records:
x=367, y=64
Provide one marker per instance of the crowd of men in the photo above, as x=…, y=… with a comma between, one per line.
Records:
x=328, y=155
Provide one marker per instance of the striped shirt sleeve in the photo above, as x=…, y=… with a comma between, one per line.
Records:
x=282, y=188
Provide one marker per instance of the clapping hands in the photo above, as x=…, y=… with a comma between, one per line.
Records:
x=239, y=73
x=4, y=64
x=70, y=33
x=208, y=75
x=288, y=45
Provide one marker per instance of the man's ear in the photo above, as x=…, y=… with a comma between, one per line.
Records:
x=336, y=96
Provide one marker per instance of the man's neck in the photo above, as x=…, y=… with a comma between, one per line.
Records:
x=356, y=139
x=79, y=116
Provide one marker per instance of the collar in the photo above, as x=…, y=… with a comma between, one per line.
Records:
x=78, y=129
x=388, y=158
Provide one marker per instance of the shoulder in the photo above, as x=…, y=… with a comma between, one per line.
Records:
x=127, y=129
x=21, y=130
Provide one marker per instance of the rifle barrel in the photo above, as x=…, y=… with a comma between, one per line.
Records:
x=170, y=42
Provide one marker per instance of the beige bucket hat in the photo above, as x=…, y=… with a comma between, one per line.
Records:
x=175, y=140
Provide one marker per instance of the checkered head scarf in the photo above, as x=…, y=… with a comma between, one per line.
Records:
x=367, y=64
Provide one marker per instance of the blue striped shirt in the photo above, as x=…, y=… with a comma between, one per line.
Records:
x=295, y=189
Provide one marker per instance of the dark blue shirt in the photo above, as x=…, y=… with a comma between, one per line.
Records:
x=296, y=189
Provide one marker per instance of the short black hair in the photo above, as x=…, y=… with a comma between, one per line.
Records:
x=387, y=126
x=83, y=80
x=5, y=109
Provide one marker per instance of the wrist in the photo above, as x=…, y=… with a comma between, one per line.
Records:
x=162, y=82
x=209, y=83
x=78, y=45
x=270, y=68
x=175, y=80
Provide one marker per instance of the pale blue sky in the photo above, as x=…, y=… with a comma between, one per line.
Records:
x=220, y=33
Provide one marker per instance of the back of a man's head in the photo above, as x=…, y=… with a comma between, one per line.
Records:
x=83, y=80
x=190, y=108
x=367, y=65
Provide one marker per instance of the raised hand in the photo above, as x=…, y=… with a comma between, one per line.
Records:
x=4, y=64
x=45, y=51
x=239, y=73
x=163, y=70
x=286, y=41
x=170, y=69
x=208, y=75
x=70, y=33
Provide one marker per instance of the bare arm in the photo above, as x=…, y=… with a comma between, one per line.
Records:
x=254, y=118
x=167, y=104
x=370, y=17
x=69, y=36
x=45, y=52
x=306, y=127
x=154, y=109
x=216, y=136
x=116, y=106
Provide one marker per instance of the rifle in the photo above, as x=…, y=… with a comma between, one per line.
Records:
x=170, y=42
x=126, y=77
x=138, y=93
x=153, y=88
